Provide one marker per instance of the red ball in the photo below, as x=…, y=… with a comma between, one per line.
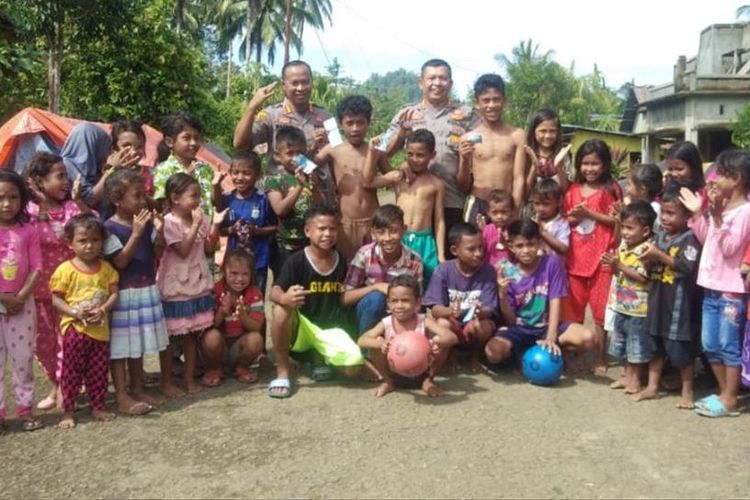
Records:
x=409, y=354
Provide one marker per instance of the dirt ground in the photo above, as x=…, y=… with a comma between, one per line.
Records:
x=491, y=436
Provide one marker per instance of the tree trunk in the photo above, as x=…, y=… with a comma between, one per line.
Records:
x=54, y=69
x=248, y=32
x=229, y=71
x=179, y=17
x=287, y=30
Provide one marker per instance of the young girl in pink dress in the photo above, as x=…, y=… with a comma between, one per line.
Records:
x=20, y=263
x=49, y=212
x=184, y=278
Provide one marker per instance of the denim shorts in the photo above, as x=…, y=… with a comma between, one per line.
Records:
x=723, y=325
x=631, y=340
x=680, y=353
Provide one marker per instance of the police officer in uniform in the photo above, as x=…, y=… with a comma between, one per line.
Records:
x=448, y=121
x=258, y=126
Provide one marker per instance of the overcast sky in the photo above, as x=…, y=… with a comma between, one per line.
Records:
x=635, y=40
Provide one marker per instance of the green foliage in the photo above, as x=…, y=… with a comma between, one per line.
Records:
x=536, y=81
x=142, y=69
x=741, y=129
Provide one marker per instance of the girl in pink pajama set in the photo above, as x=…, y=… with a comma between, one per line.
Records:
x=20, y=263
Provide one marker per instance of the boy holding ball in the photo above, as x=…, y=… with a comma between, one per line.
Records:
x=404, y=303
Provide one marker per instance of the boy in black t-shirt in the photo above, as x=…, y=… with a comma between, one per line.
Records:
x=306, y=310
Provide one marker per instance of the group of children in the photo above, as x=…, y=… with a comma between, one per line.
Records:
x=89, y=290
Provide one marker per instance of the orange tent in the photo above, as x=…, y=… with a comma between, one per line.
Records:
x=34, y=130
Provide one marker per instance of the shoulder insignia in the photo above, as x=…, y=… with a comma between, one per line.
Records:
x=691, y=253
x=261, y=116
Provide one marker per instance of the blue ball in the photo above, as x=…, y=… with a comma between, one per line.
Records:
x=540, y=367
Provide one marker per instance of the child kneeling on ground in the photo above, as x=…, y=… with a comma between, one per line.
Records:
x=235, y=338
x=404, y=303
x=530, y=302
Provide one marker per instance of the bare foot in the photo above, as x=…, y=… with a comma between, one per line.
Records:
x=633, y=389
x=384, y=388
x=646, y=394
x=573, y=363
x=599, y=370
x=432, y=389
x=476, y=365
x=171, y=391
x=191, y=387
x=68, y=421
x=130, y=406
x=618, y=384
x=148, y=399
x=102, y=416
x=686, y=404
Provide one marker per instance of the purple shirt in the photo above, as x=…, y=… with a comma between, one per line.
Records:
x=529, y=297
x=448, y=284
x=141, y=271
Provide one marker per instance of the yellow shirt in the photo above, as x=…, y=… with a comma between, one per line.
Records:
x=82, y=288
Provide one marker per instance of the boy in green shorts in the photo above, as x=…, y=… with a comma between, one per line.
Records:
x=306, y=304
x=422, y=197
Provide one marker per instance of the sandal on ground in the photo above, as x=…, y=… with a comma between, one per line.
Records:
x=137, y=409
x=245, y=376
x=212, y=378
x=322, y=373
x=47, y=403
x=3, y=428
x=714, y=408
x=280, y=388
x=31, y=424
x=704, y=402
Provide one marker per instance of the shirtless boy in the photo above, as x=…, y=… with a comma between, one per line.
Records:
x=356, y=202
x=498, y=161
x=422, y=199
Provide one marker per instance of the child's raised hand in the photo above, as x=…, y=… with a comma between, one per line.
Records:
x=562, y=155
x=226, y=304
x=261, y=95
x=197, y=216
x=716, y=205
x=481, y=222
x=219, y=176
x=320, y=138
x=125, y=157
x=39, y=195
x=158, y=221
x=139, y=222
x=503, y=283
x=691, y=200
x=616, y=210
x=465, y=148
x=218, y=217
x=405, y=120
x=580, y=211
x=301, y=177
x=610, y=259
x=75, y=191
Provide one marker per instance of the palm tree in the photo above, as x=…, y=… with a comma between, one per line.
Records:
x=524, y=52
